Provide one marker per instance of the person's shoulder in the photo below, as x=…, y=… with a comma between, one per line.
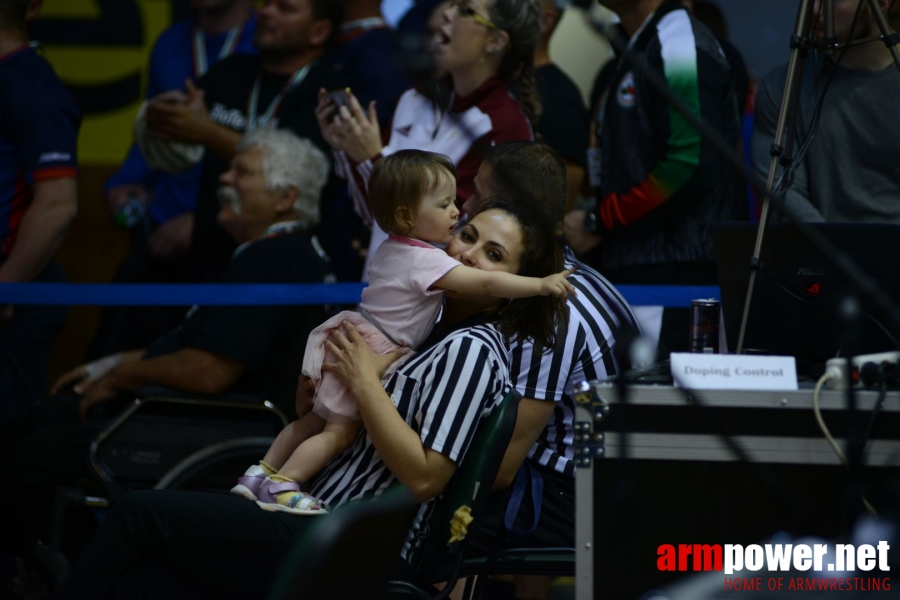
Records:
x=291, y=257
x=770, y=89
x=299, y=247
x=557, y=90
x=376, y=40
x=172, y=47
x=484, y=338
x=176, y=33
x=508, y=120
x=31, y=85
x=775, y=78
x=413, y=99
x=679, y=35
x=28, y=69
x=552, y=75
x=595, y=292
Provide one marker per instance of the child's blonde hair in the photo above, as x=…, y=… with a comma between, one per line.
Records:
x=399, y=181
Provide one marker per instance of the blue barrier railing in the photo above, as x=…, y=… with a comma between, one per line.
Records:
x=269, y=294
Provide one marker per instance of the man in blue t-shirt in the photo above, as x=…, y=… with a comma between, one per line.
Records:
x=39, y=124
x=186, y=50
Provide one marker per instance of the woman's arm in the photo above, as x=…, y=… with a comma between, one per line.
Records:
x=424, y=471
x=467, y=280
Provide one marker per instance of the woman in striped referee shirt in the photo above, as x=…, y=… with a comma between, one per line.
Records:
x=417, y=429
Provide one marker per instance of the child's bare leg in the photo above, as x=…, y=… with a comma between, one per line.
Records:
x=313, y=454
x=291, y=437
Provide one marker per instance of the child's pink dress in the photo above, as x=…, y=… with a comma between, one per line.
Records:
x=398, y=308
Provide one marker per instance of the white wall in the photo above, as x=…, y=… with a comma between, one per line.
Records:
x=579, y=50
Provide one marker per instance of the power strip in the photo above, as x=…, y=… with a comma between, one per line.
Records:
x=837, y=367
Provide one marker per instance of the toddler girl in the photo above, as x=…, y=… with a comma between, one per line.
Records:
x=413, y=196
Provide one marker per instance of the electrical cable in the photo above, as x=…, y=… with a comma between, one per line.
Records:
x=832, y=374
x=787, y=176
x=882, y=393
x=800, y=298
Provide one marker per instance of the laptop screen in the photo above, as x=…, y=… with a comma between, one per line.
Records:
x=797, y=291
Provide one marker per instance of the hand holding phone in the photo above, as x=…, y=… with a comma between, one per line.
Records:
x=339, y=98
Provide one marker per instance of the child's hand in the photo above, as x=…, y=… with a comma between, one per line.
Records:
x=556, y=285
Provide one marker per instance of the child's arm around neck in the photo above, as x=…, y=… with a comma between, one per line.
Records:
x=466, y=280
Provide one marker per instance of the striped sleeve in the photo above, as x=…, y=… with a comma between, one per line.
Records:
x=357, y=177
x=454, y=393
x=599, y=317
x=678, y=50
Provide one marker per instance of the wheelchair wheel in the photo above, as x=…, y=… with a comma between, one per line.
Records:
x=215, y=467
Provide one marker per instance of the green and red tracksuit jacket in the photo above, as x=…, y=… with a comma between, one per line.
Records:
x=662, y=187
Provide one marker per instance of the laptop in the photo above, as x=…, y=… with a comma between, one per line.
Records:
x=793, y=310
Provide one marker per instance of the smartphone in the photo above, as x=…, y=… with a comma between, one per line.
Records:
x=339, y=98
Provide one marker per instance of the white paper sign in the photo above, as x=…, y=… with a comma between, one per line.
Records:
x=734, y=372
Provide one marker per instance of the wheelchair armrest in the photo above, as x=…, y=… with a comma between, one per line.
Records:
x=158, y=391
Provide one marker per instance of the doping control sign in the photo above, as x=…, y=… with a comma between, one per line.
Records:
x=100, y=49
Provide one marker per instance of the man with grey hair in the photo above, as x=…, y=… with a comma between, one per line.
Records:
x=268, y=197
x=278, y=170
x=269, y=202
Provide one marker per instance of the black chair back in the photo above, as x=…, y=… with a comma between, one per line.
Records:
x=467, y=492
x=349, y=553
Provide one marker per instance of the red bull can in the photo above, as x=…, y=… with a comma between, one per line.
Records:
x=704, y=334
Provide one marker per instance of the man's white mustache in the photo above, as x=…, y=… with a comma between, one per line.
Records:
x=230, y=195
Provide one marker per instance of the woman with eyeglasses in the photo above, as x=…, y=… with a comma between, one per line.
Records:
x=486, y=48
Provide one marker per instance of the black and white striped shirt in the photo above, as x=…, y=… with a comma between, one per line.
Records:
x=598, y=318
x=442, y=393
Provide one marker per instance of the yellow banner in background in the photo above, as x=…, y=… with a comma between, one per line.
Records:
x=101, y=49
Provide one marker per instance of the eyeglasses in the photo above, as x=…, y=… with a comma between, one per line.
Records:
x=465, y=9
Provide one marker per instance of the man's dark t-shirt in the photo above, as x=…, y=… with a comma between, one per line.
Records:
x=228, y=86
x=565, y=122
x=259, y=337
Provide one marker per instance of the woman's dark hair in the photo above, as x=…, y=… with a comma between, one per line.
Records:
x=538, y=318
x=521, y=20
x=533, y=174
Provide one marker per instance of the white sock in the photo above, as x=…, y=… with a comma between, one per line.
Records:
x=254, y=471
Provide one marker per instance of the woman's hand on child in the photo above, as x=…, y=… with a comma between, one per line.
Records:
x=355, y=364
x=558, y=285
x=384, y=361
x=354, y=361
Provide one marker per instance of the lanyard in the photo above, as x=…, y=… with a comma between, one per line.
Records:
x=362, y=25
x=199, y=53
x=441, y=113
x=268, y=117
x=281, y=228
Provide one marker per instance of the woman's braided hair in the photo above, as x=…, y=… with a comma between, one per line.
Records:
x=521, y=20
